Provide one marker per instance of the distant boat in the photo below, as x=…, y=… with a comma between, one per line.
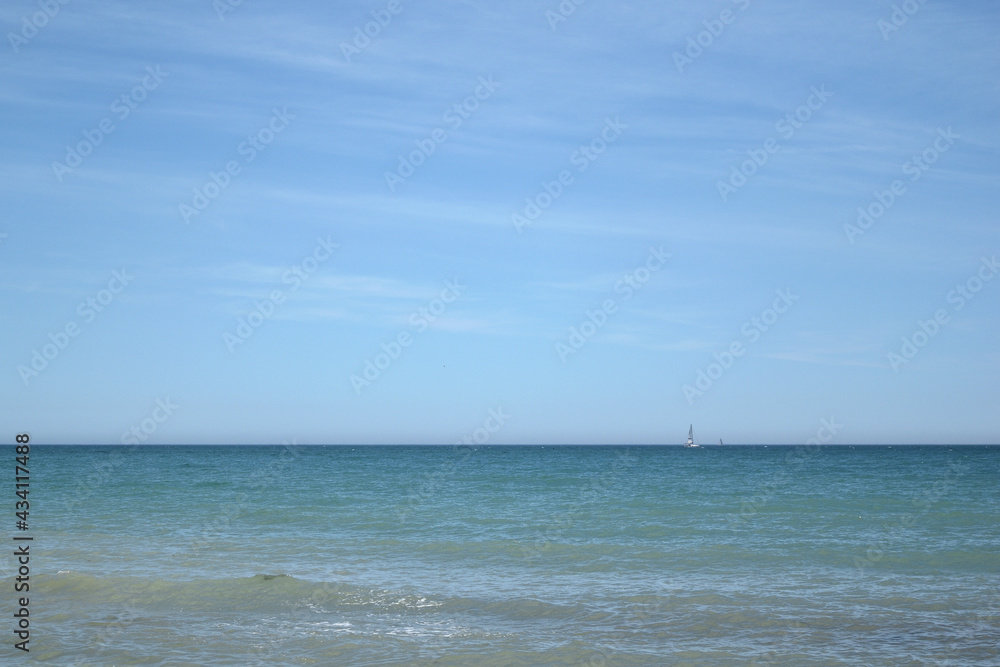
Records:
x=690, y=441
x=720, y=441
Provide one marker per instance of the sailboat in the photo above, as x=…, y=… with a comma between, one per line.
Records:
x=720, y=441
x=690, y=441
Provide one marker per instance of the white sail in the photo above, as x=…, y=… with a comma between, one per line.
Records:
x=690, y=440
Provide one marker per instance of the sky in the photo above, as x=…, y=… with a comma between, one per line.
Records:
x=393, y=222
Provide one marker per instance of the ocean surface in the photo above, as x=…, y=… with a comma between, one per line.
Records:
x=586, y=556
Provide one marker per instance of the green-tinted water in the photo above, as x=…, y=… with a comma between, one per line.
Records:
x=515, y=555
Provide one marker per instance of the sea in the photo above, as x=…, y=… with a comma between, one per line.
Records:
x=508, y=555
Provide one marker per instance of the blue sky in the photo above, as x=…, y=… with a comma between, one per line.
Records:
x=222, y=151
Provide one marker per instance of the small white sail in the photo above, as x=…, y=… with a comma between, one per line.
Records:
x=690, y=441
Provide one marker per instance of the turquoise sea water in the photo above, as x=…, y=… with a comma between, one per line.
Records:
x=513, y=556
